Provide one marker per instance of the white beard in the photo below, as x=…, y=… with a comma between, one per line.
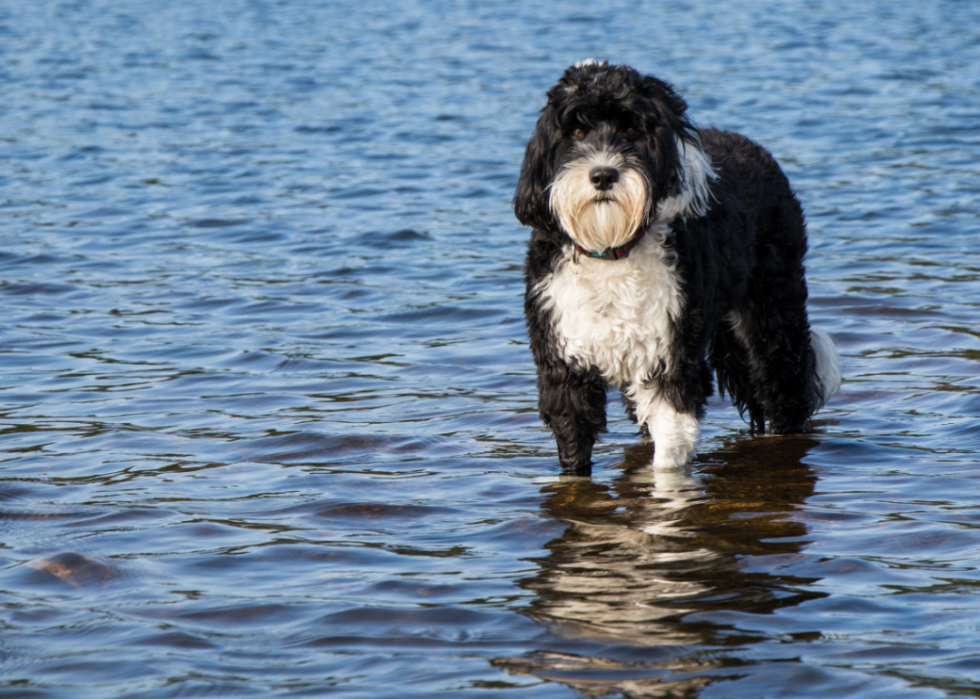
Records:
x=599, y=220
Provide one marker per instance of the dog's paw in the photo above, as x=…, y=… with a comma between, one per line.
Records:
x=674, y=436
x=672, y=456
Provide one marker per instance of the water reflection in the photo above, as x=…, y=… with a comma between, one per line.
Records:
x=644, y=558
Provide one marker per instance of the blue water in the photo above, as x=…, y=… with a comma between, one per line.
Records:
x=267, y=410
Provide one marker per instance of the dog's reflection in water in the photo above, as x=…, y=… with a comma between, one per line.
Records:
x=643, y=560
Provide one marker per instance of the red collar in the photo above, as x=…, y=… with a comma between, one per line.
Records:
x=614, y=253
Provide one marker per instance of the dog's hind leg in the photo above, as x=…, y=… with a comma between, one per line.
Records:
x=730, y=361
x=773, y=328
x=630, y=406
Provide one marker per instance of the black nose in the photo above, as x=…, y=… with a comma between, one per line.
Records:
x=603, y=178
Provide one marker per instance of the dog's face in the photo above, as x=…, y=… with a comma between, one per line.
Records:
x=612, y=152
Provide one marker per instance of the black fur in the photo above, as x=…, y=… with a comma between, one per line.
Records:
x=743, y=257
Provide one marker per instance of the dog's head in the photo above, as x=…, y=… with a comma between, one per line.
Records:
x=612, y=152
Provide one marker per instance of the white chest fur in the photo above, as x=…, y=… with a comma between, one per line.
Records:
x=614, y=315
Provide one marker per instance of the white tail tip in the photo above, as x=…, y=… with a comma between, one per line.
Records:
x=828, y=365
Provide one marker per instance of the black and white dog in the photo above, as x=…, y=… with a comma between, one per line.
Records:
x=661, y=253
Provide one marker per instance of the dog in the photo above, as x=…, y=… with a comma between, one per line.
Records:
x=661, y=254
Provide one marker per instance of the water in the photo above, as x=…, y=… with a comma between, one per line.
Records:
x=268, y=411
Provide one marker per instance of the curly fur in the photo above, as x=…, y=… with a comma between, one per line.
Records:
x=715, y=287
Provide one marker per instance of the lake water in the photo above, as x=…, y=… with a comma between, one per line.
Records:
x=267, y=411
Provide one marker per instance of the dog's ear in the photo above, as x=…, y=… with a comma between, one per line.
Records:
x=667, y=125
x=532, y=199
x=663, y=100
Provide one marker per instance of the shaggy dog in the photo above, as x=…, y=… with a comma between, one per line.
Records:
x=661, y=253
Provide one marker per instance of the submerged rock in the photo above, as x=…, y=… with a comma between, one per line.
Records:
x=74, y=568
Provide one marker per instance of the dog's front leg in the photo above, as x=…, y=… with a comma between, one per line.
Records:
x=674, y=437
x=674, y=433
x=573, y=405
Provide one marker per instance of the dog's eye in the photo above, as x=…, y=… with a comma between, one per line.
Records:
x=630, y=131
x=578, y=133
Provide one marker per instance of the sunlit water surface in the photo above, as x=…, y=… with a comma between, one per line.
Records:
x=268, y=410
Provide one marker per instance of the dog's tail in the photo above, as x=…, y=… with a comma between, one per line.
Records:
x=826, y=368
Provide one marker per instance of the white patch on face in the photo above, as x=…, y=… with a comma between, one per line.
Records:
x=615, y=315
x=695, y=196
x=596, y=219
